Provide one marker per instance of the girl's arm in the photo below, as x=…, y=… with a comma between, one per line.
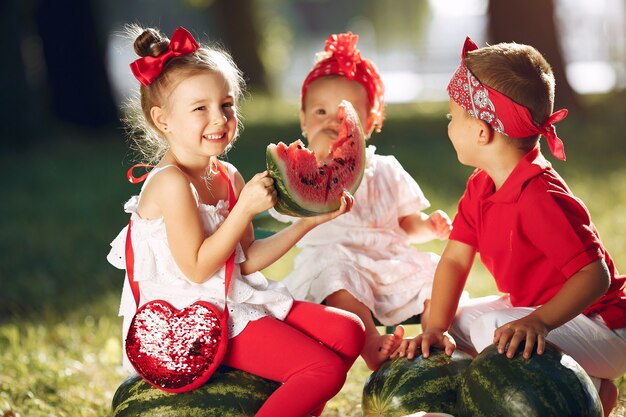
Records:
x=450, y=277
x=262, y=253
x=578, y=293
x=422, y=227
x=197, y=257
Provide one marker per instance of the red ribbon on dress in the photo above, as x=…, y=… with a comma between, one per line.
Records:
x=136, y=180
x=146, y=69
x=499, y=111
x=341, y=57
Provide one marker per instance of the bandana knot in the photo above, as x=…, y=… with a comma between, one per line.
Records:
x=147, y=68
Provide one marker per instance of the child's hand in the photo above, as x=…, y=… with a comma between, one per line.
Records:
x=431, y=337
x=440, y=224
x=528, y=329
x=258, y=194
x=347, y=201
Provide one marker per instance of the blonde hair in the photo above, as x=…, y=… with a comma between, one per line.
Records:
x=147, y=139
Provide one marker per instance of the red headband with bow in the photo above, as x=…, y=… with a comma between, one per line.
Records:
x=498, y=110
x=341, y=57
x=146, y=69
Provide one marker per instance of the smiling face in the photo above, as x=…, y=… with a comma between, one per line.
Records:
x=199, y=118
x=318, y=118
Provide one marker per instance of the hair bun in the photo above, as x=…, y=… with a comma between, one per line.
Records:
x=151, y=43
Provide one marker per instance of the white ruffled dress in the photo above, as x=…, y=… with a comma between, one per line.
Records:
x=250, y=297
x=365, y=251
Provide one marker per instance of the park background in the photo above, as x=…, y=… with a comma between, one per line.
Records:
x=63, y=153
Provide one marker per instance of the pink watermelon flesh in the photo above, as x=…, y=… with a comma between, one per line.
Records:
x=307, y=186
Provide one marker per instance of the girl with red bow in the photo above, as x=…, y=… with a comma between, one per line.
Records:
x=184, y=230
x=533, y=235
x=364, y=261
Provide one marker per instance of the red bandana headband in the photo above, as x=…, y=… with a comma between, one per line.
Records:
x=502, y=113
x=341, y=57
x=146, y=69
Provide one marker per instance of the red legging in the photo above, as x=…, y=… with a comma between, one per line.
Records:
x=310, y=351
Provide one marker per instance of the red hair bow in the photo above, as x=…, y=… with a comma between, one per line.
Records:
x=342, y=46
x=146, y=69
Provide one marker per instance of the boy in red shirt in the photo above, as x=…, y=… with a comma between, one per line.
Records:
x=533, y=235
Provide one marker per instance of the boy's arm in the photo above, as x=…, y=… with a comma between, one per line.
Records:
x=578, y=293
x=450, y=277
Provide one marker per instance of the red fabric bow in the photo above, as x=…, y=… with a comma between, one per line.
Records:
x=499, y=111
x=342, y=46
x=146, y=69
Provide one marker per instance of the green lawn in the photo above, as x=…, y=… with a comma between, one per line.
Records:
x=60, y=345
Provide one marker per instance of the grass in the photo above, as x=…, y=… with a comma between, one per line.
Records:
x=60, y=345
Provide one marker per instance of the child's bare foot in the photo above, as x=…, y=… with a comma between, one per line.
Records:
x=378, y=347
x=608, y=395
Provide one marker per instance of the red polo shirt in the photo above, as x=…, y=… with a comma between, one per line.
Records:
x=533, y=234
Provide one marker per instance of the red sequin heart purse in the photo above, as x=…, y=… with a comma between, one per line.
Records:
x=177, y=350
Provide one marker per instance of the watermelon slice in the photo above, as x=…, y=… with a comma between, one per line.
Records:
x=308, y=187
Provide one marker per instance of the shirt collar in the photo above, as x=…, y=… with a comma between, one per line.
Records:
x=531, y=165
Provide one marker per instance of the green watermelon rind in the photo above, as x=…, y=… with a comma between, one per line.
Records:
x=486, y=390
x=229, y=393
x=401, y=386
x=287, y=203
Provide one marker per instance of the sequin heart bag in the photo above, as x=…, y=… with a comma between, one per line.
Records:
x=177, y=350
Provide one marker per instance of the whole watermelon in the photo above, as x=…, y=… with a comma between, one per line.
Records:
x=548, y=385
x=229, y=393
x=402, y=386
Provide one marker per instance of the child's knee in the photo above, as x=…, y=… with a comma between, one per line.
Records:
x=349, y=335
x=332, y=375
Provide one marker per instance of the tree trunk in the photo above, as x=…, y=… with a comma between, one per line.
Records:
x=21, y=116
x=79, y=86
x=240, y=35
x=532, y=22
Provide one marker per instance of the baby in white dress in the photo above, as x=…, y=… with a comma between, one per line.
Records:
x=363, y=261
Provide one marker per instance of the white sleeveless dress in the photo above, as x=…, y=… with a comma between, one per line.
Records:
x=250, y=297
x=365, y=251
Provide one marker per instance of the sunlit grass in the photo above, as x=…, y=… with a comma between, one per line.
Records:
x=60, y=337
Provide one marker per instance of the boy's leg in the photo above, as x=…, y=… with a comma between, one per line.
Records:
x=599, y=350
x=468, y=312
x=311, y=372
x=377, y=347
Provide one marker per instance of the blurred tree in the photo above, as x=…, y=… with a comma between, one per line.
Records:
x=20, y=123
x=532, y=22
x=78, y=84
x=239, y=33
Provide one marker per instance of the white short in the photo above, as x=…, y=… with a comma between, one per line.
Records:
x=598, y=349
